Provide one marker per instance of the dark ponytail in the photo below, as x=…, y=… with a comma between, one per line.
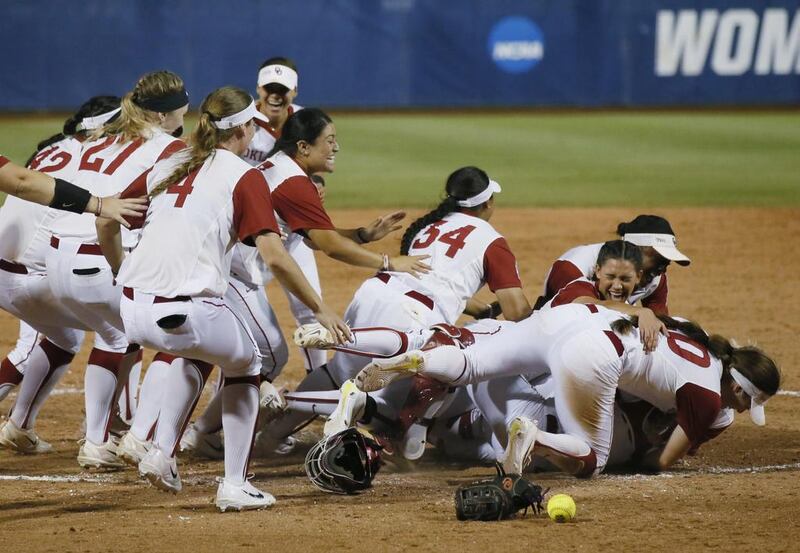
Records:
x=461, y=184
x=96, y=105
x=306, y=124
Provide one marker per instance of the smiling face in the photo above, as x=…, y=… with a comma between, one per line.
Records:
x=616, y=279
x=320, y=155
x=274, y=101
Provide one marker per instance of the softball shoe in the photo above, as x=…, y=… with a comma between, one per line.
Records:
x=201, y=445
x=132, y=450
x=382, y=372
x=521, y=439
x=350, y=408
x=161, y=471
x=102, y=456
x=314, y=336
x=241, y=498
x=21, y=440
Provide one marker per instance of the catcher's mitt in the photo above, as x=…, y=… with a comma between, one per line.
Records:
x=498, y=498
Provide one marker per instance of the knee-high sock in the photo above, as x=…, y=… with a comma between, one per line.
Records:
x=570, y=454
x=128, y=396
x=378, y=342
x=446, y=363
x=239, y=417
x=100, y=385
x=150, y=394
x=10, y=377
x=318, y=379
x=211, y=419
x=43, y=368
x=182, y=387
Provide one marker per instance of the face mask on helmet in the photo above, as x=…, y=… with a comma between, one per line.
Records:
x=343, y=463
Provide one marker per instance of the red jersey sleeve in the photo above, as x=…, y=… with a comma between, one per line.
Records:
x=574, y=290
x=137, y=189
x=698, y=409
x=500, y=266
x=297, y=202
x=174, y=146
x=657, y=301
x=3, y=160
x=561, y=273
x=252, y=207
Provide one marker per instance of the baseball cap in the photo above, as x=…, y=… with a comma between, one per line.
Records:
x=757, y=397
x=280, y=74
x=656, y=232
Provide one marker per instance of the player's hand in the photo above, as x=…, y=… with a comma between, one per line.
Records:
x=411, y=264
x=114, y=208
x=334, y=324
x=383, y=225
x=650, y=327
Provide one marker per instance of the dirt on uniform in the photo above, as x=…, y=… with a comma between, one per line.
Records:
x=740, y=493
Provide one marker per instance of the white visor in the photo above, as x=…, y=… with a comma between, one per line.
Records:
x=757, y=397
x=92, y=123
x=238, y=118
x=482, y=196
x=665, y=244
x=278, y=74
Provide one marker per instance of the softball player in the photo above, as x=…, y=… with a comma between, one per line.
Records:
x=79, y=275
x=659, y=248
x=393, y=312
x=202, y=201
x=24, y=286
x=591, y=352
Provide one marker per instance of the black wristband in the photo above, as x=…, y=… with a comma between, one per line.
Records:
x=360, y=236
x=68, y=197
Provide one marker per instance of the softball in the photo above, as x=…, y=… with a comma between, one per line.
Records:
x=561, y=508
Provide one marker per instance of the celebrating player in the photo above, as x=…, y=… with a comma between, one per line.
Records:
x=202, y=201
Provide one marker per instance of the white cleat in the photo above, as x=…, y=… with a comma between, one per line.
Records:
x=242, y=498
x=161, y=471
x=521, y=439
x=349, y=409
x=271, y=402
x=314, y=336
x=102, y=456
x=21, y=440
x=382, y=372
x=201, y=445
x=132, y=450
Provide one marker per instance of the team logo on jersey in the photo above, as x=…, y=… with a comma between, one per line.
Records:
x=516, y=44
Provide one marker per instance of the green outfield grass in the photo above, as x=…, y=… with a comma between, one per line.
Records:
x=551, y=159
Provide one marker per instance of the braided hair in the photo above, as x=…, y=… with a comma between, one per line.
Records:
x=461, y=184
x=96, y=105
x=753, y=363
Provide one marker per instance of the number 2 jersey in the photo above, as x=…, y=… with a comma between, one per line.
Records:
x=465, y=252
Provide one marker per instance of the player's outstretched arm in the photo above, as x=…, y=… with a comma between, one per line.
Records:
x=288, y=273
x=341, y=248
x=110, y=240
x=650, y=326
x=513, y=303
x=677, y=447
x=376, y=230
x=59, y=194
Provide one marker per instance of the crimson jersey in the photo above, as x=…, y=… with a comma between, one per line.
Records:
x=190, y=228
x=579, y=262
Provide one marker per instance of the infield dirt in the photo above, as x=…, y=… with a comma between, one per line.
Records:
x=740, y=493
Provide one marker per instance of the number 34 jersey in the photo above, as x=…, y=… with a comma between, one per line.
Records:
x=465, y=253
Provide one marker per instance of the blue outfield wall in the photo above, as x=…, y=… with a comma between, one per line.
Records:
x=412, y=53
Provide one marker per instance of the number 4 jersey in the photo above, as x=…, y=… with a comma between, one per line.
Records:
x=465, y=253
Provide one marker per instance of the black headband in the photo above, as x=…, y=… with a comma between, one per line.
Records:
x=164, y=104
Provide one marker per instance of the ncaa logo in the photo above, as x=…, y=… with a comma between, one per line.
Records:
x=516, y=44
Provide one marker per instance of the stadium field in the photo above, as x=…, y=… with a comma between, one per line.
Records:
x=646, y=159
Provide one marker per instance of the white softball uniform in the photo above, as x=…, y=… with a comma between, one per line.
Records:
x=24, y=242
x=177, y=276
x=79, y=275
x=580, y=262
